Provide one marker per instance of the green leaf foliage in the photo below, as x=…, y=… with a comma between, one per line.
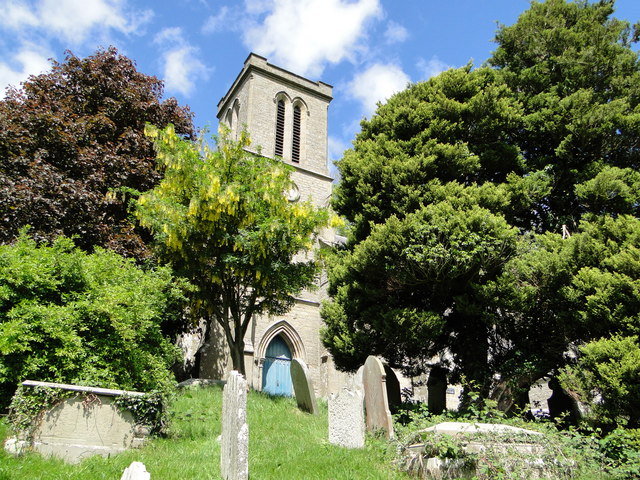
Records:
x=572, y=68
x=408, y=291
x=557, y=292
x=70, y=317
x=427, y=144
x=222, y=220
x=607, y=375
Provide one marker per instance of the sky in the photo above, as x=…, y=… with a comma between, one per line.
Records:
x=366, y=49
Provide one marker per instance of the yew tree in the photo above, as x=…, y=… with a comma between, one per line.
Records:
x=425, y=189
x=544, y=136
x=72, y=150
x=221, y=218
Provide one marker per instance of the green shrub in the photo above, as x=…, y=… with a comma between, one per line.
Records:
x=607, y=377
x=88, y=319
x=622, y=451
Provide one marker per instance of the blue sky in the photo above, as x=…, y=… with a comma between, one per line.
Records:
x=366, y=49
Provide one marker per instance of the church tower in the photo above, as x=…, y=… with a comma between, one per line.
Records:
x=286, y=118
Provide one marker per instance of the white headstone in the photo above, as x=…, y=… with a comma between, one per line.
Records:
x=136, y=471
x=234, y=448
x=346, y=418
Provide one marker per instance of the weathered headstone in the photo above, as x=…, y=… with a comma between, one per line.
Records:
x=136, y=471
x=346, y=418
x=234, y=448
x=375, y=397
x=303, y=386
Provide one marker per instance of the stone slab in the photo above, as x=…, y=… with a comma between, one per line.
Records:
x=378, y=415
x=136, y=471
x=79, y=388
x=82, y=426
x=458, y=428
x=346, y=418
x=200, y=382
x=234, y=444
x=303, y=386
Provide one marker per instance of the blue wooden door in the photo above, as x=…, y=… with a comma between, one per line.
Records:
x=276, y=371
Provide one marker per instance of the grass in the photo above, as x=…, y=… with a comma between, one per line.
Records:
x=284, y=443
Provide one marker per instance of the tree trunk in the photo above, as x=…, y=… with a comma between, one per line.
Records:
x=237, y=356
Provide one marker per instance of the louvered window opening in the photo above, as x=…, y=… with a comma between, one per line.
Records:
x=295, y=145
x=280, y=129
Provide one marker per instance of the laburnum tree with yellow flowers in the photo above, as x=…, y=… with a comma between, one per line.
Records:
x=221, y=218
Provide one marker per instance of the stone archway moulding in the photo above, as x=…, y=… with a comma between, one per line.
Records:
x=290, y=336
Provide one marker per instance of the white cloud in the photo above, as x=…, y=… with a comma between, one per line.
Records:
x=181, y=65
x=431, y=68
x=169, y=35
x=73, y=20
x=33, y=24
x=31, y=60
x=257, y=7
x=336, y=148
x=395, y=33
x=219, y=22
x=305, y=35
x=17, y=15
x=377, y=84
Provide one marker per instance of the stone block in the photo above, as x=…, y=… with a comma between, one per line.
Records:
x=346, y=418
x=82, y=426
x=136, y=471
x=378, y=415
x=234, y=447
x=303, y=386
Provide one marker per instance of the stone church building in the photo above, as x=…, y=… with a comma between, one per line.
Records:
x=286, y=117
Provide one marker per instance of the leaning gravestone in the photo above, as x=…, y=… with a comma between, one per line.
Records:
x=303, y=386
x=346, y=418
x=375, y=397
x=136, y=471
x=234, y=448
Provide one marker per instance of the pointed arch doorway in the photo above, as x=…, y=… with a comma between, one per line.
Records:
x=276, y=370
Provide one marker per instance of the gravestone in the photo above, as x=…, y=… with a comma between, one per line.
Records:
x=303, y=386
x=346, y=418
x=378, y=416
x=136, y=471
x=234, y=448
x=437, y=390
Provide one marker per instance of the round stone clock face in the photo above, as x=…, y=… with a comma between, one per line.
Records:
x=293, y=194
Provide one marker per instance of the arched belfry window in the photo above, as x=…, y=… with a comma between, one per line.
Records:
x=235, y=120
x=295, y=139
x=279, y=150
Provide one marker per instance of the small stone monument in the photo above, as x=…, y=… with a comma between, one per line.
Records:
x=88, y=422
x=375, y=397
x=303, y=386
x=346, y=418
x=136, y=471
x=234, y=448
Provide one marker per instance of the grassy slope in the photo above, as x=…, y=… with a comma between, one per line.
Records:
x=284, y=444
